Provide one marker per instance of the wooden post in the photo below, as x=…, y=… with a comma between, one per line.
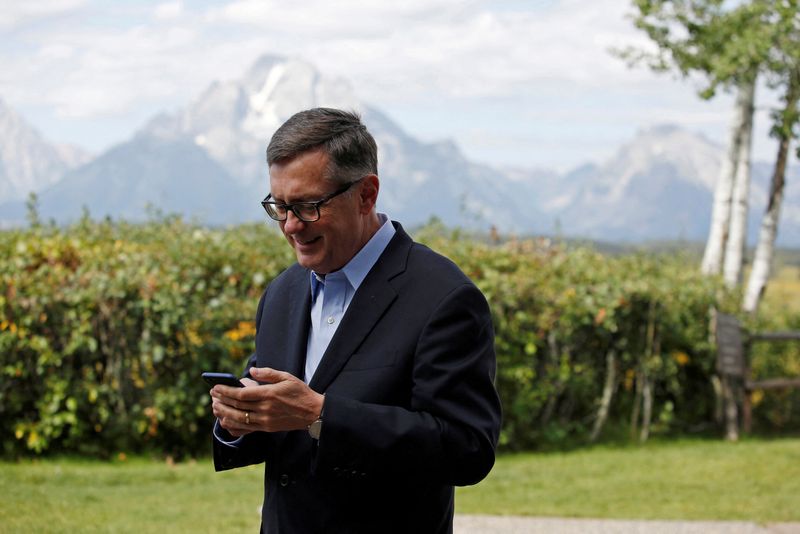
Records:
x=747, y=412
x=747, y=406
x=731, y=367
x=731, y=410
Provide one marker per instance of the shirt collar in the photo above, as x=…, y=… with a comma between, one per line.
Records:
x=360, y=265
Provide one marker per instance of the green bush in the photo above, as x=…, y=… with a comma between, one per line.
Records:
x=560, y=312
x=105, y=328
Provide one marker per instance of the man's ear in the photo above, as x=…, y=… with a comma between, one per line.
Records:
x=368, y=193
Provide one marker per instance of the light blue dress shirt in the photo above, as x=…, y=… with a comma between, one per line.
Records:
x=332, y=293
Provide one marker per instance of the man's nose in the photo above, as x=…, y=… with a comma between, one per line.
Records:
x=293, y=224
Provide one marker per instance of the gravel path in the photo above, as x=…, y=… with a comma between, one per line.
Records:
x=483, y=524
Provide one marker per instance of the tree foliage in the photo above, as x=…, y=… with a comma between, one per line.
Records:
x=723, y=42
x=106, y=327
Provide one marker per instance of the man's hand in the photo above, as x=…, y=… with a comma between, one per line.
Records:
x=283, y=403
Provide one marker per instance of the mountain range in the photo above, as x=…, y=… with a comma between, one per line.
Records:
x=206, y=161
x=27, y=161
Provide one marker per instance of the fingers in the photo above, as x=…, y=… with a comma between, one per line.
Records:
x=253, y=390
x=237, y=404
x=267, y=374
x=241, y=398
x=235, y=421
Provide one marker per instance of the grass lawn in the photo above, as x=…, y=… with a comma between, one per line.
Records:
x=135, y=495
x=752, y=480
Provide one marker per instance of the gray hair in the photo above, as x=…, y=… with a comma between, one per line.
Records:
x=351, y=148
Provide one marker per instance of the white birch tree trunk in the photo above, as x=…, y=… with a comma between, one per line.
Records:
x=737, y=235
x=608, y=393
x=723, y=192
x=762, y=263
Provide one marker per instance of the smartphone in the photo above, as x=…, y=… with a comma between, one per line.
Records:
x=226, y=379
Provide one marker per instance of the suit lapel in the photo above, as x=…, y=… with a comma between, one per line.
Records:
x=298, y=323
x=369, y=303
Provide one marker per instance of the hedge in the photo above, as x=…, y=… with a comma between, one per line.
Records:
x=106, y=326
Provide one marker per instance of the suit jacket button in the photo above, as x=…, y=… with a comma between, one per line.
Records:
x=284, y=480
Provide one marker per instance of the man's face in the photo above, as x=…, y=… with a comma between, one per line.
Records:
x=328, y=244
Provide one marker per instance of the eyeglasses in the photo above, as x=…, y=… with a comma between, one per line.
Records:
x=305, y=211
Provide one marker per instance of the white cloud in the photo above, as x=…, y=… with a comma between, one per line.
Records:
x=390, y=50
x=168, y=10
x=15, y=13
x=549, y=57
x=56, y=52
x=105, y=72
x=346, y=17
x=455, y=48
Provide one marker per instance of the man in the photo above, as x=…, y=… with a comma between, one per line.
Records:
x=370, y=393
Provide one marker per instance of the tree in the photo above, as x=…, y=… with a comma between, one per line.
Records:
x=762, y=263
x=723, y=192
x=732, y=44
x=784, y=71
x=737, y=224
x=723, y=45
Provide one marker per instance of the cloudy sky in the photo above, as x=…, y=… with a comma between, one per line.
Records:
x=527, y=83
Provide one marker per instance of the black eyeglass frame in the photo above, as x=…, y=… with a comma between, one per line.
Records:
x=273, y=213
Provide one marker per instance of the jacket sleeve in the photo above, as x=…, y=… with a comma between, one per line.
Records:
x=451, y=427
x=253, y=448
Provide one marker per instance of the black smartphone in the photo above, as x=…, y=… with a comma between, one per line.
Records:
x=226, y=379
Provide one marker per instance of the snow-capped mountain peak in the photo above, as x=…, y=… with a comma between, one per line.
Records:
x=695, y=158
x=28, y=162
x=234, y=120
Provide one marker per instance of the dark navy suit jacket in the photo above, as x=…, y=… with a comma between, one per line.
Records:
x=410, y=406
